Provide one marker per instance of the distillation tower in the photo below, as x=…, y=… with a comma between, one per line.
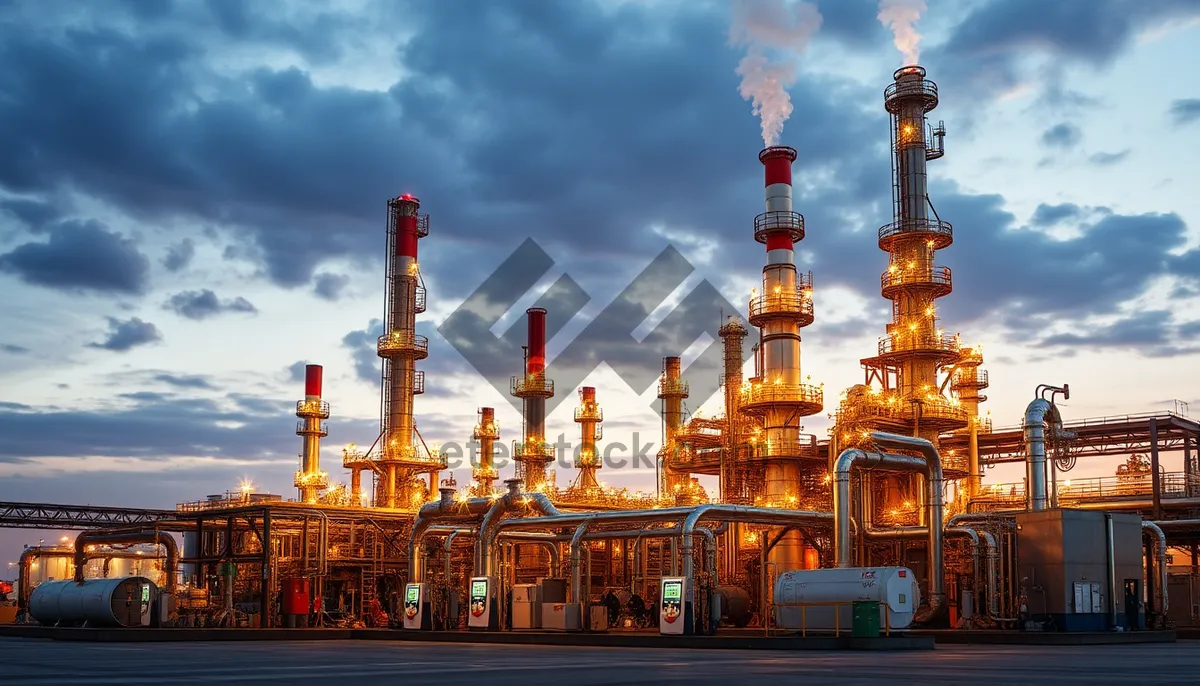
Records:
x=483, y=471
x=589, y=415
x=738, y=483
x=533, y=453
x=672, y=390
x=780, y=397
x=399, y=462
x=310, y=481
x=907, y=379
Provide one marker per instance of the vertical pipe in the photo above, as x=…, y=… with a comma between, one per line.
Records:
x=486, y=433
x=1159, y=564
x=976, y=475
x=1112, y=568
x=309, y=480
x=671, y=390
x=587, y=460
x=1035, y=453
x=400, y=347
x=1155, y=471
x=533, y=390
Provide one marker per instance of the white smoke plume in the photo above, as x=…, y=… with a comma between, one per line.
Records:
x=771, y=25
x=900, y=16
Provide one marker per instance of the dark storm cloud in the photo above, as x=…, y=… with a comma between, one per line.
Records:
x=34, y=214
x=851, y=22
x=295, y=371
x=539, y=120
x=1106, y=159
x=14, y=349
x=126, y=335
x=982, y=54
x=192, y=381
x=1025, y=271
x=1062, y=135
x=180, y=255
x=329, y=286
x=1150, y=332
x=361, y=344
x=1185, y=111
x=205, y=303
x=158, y=426
x=1048, y=215
x=80, y=256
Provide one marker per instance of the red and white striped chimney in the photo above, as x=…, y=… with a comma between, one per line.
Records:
x=777, y=170
x=407, y=233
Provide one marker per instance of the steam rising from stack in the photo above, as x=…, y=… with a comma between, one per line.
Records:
x=900, y=15
x=771, y=25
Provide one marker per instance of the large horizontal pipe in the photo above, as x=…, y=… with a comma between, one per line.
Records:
x=83, y=540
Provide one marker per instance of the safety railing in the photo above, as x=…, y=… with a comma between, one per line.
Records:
x=920, y=275
x=402, y=342
x=531, y=385
x=534, y=449
x=1074, y=491
x=902, y=341
x=909, y=82
x=676, y=388
x=770, y=625
x=419, y=299
x=806, y=394
x=775, y=222
x=939, y=232
x=970, y=377
x=318, y=428
x=312, y=408
x=418, y=382
x=796, y=302
x=486, y=431
x=772, y=448
x=304, y=479
x=589, y=413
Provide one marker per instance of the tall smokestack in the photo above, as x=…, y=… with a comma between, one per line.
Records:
x=672, y=391
x=533, y=453
x=400, y=347
x=588, y=415
x=486, y=432
x=785, y=306
x=310, y=481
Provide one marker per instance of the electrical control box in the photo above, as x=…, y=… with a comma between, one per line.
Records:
x=675, y=606
x=417, y=614
x=482, y=614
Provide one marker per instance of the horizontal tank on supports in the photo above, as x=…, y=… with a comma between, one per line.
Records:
x=94, y=602
x=822, y=599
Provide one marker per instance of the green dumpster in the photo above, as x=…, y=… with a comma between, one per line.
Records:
x=865, y=623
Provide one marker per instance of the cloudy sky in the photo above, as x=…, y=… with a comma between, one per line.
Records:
x=192, y=205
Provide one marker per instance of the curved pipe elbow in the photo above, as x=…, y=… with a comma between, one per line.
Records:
x=1160, y=544
x=83, y=540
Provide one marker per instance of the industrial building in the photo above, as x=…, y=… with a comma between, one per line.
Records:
x=895, y=489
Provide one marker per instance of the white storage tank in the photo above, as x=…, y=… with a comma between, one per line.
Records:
x=97, y=602
x=895, y=588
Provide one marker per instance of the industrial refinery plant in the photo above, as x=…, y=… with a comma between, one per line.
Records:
x=800, y=534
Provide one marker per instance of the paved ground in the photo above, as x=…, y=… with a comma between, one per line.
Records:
x=345, y=663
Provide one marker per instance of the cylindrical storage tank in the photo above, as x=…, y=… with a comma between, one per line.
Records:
x=735, y=605
x=96, y=602
x=191, y=549
x=45, y=568
x=828, y=596
x=296, y=597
